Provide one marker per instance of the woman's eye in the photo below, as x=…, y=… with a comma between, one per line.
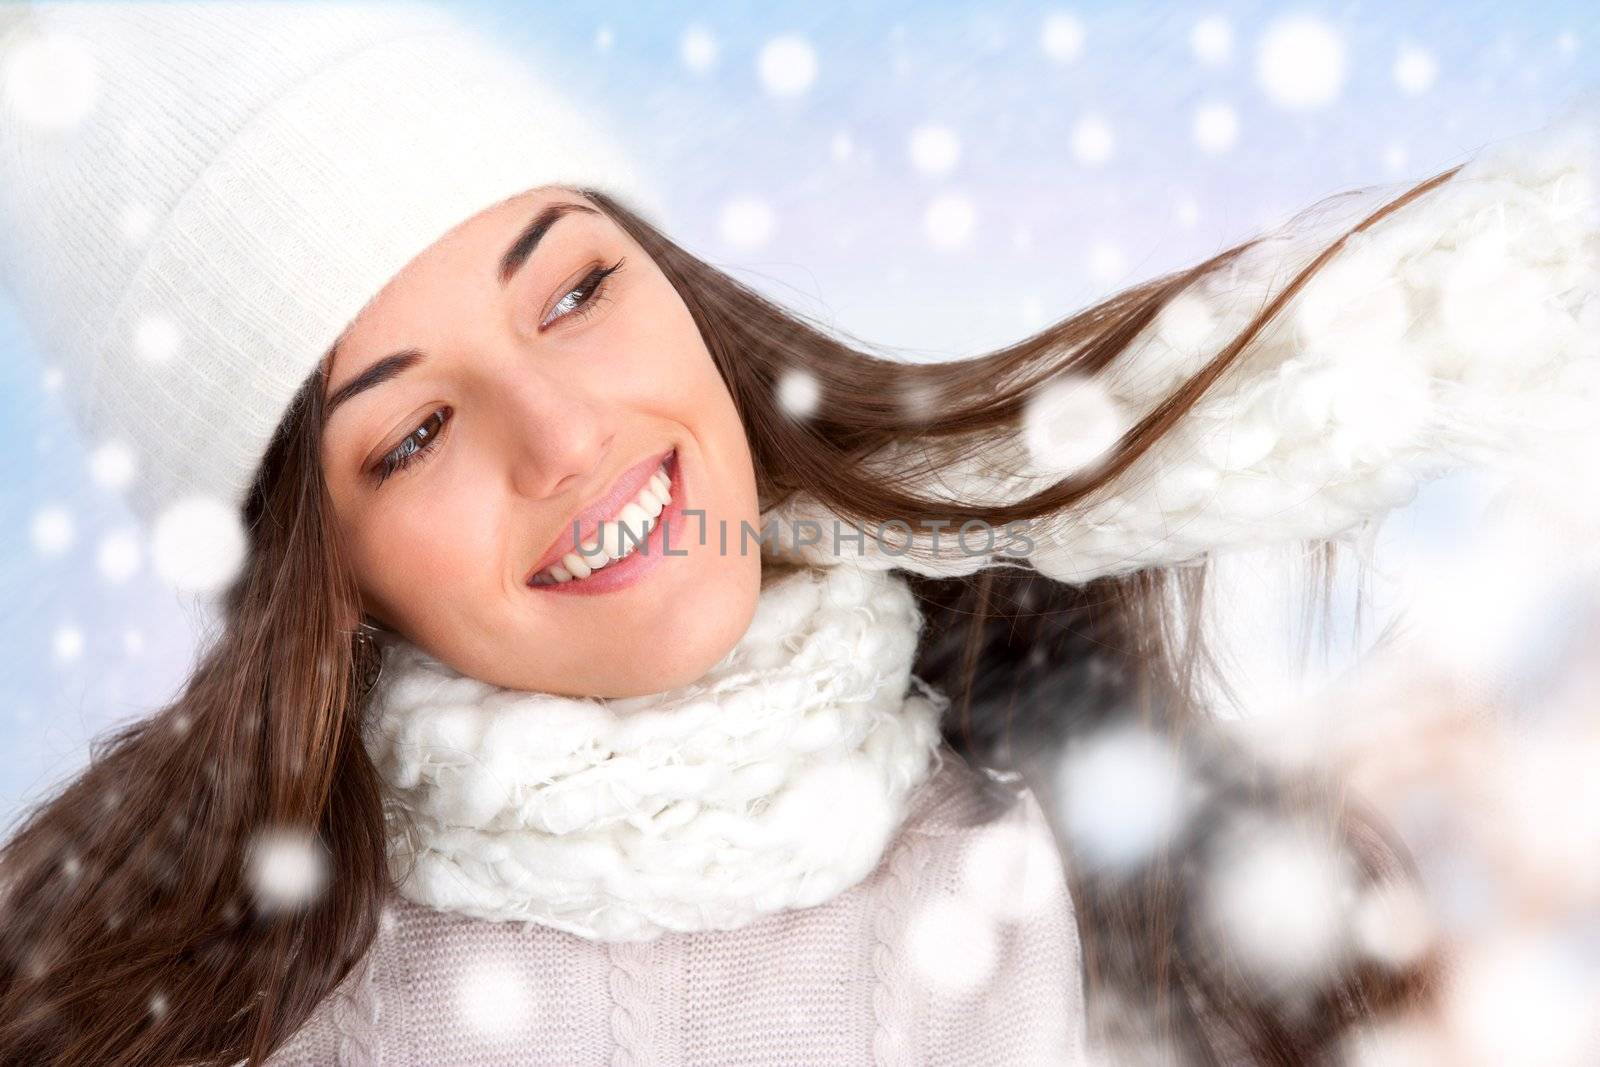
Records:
x=417, y=446
x=585, y=298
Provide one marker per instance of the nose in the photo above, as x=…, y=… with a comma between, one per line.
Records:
x=557, y=433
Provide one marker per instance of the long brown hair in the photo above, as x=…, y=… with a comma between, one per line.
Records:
x=128, y=930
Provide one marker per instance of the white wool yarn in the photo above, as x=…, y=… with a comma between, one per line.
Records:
x=773, y=782
x=1460, y=330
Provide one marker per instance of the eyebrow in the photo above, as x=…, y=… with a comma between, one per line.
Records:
x=397, y=363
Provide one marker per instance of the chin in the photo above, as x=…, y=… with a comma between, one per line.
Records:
x=687, y=657
x=659, y=676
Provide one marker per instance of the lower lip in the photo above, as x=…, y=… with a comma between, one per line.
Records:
x=633, y=567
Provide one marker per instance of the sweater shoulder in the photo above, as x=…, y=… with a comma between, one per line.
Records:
x=958, y=797
x=343, y=1028
x=987, y=938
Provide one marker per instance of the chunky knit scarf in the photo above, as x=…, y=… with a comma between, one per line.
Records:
x=773, y=782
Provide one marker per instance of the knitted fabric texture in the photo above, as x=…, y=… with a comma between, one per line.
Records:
x=774, y=781
x=1456, y=332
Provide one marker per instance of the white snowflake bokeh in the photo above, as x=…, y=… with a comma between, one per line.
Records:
x=1301, y=62
x=1070, y=423
x=934, y=149
x=1093, y=141
x=1281, y=898
x=1211, y=40
x=1011, y=873
x=799, y=393
x=953, y=945
x=1063, y=37
x=50, y=81
x=53, y=530
x=699, y=49
x=949, y=185
x=157, y=338
x=113, y=464
x=494, y=998
x=286, y=869
x=747, y=222
x=788, y=66
x=1216, y=126
x=198, y=544
x=1125, y=794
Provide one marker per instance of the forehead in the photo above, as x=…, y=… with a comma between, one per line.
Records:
x=470, y=250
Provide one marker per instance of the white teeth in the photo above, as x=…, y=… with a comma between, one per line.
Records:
x=626, y=532
x=616, y=537
x=633, y=515
x=611, y=539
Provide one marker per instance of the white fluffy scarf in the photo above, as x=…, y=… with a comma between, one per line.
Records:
x=774, y=782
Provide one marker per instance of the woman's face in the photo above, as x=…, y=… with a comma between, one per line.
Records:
x=534, y=390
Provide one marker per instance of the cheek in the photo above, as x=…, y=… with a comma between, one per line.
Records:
x=432, y=548
x=660, y=362
x=677, y=378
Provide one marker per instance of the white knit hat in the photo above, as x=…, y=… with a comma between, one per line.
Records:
x=197, y=198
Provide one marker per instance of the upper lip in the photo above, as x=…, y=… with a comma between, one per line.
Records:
x=589, y=517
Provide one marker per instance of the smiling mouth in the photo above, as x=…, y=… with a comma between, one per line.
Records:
x=618, y=537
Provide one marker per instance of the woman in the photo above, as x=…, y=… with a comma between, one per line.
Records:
x=436, y=794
